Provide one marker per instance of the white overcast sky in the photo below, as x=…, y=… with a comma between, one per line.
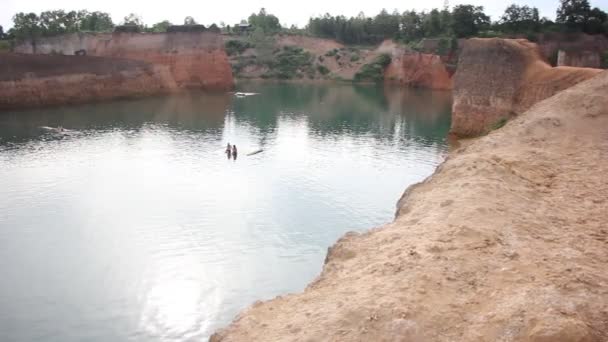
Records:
x=232, y=11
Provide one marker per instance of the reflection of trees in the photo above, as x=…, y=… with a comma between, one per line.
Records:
x=357, y=110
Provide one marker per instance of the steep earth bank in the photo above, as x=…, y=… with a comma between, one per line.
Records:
x=37, y=80
x=418, y=70
x=572, y=43
x=505, y=242
x=194, y=59
x=497, y=79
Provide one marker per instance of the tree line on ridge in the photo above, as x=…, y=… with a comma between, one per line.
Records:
x=461, y=21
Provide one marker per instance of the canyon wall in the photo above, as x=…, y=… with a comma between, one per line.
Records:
x=497, y=79
x=418, y=70
x=505, y=242
x=551, y=43
x=194, y=59
x=37, y=80
x=580, y=59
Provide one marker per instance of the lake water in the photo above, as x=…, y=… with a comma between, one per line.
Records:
x=136, y=227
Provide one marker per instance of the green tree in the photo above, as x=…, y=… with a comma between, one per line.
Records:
x=133, y=20
x=520, y=19
x=468, y=20
x=446, y=21
x=411, y=26
x=597, y=22
x=214, y=28
x=26, y=26
x=267, y=22
x=96, y=21
x=189, y=21
x=161, y=26
x=573, y=13
x=385, y=25
x=264, y=45
x=432, y=23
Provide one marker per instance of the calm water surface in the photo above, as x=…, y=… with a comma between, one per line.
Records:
x=136, y=227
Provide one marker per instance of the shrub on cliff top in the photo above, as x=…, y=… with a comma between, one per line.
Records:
x=289, y=62
x=186, y=28
x=237, y=47
x=374, y=71
x=322, y=69
x=5, y=46
x=499, y=124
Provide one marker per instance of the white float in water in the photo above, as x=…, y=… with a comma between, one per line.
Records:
x=240, y=94
x=255, y=152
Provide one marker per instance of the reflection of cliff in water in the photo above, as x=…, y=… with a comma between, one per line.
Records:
x=425, y=110
x=388, y=114
x=194, y=111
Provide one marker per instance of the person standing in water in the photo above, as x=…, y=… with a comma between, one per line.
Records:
x=234, y=152
x=228, y=150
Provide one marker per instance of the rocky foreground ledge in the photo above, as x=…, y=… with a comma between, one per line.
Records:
x=507, y=241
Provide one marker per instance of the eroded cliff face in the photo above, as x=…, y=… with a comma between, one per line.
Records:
x=580, y=59
x=497, y=79
x=421, y=70
x=505, y=242
x=194, y=59
x=36, y=80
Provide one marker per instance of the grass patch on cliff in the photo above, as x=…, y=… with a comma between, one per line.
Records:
x=242, y=62
x=499, y=124
x=290, y=62
x=373, y=71
x=5, y=46
x=237, y=47
x=322, y=69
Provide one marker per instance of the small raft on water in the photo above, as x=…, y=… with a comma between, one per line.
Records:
x=240, y=94
x=59, y=130
x=255, y=152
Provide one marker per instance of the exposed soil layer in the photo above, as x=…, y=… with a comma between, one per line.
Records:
x=497, y=79
x=195, y=59
x=43, y=80
x=17, y=66
x=419, y=70
x=507, y=241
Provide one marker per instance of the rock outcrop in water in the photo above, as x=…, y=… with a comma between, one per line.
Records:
x=37, y=80
x=497, y=79
x=505, y=242
x=418, y=70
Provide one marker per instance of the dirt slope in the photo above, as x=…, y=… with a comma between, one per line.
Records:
x=507, y=241
x=499, y=78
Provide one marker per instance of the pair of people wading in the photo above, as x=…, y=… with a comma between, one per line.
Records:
x=231, y=151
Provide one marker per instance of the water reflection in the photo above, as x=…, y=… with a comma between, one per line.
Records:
x=137, y=227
